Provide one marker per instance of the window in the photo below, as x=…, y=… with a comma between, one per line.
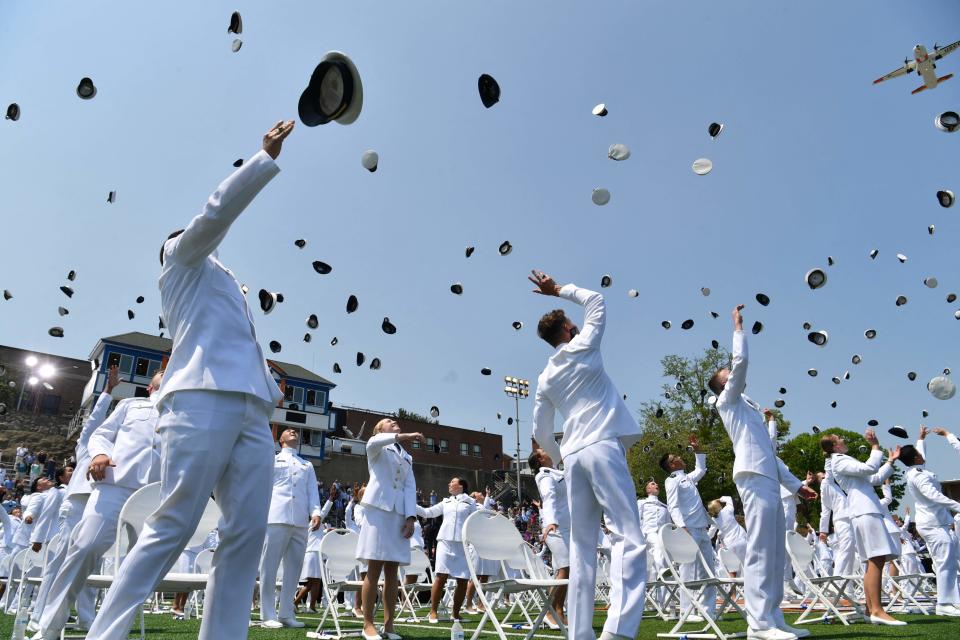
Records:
x=444, y=446
x=126, y=364
x=415, y=444
x=154, y=367
x=476, y=451
x=298, y=395
x=429, y=444
x=143, y=365
x=464, y=449
x=113, y=360
x=288, y=393
x=321, y=399
x=312, y=396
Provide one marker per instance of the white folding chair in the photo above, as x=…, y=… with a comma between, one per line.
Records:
x=493, y=537
x=801, y=554
x=201, y=564
x=134, y=513
x=29, y=562
x=730, y=563
x=419, y=566
x=680, y=548
x=910, y=587
x=338, y=571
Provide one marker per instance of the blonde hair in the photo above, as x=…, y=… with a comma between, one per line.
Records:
x=380, y=425
x=714, y=508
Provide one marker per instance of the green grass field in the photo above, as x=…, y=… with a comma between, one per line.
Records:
x=163, y=627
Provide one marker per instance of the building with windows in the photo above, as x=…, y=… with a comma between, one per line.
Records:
x=305, y=403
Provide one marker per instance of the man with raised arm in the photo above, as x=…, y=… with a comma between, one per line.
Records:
x=934, y=518
x=758, y=474
x=215, y=406
x=597, y=429
x=687, y=511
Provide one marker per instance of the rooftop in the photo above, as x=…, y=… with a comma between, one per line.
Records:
x=296, y=371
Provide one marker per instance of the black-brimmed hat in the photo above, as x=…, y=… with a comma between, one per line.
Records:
x=334, y=93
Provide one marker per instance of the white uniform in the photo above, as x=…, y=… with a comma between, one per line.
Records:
x=129, y=438
x=597, y=427
x=857, y=479
x=733, y=535
x=451, y=559
x=554, y=510
x=933, y=510
x=686, y=510
x=908, y=550
x=294, y=501
x=758, y=474
x=389, y=499
x=833, y=508
x=22, y=538
x=216, y=401
x=75, y=501
x=653, y=515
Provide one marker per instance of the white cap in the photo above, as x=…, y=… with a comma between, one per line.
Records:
x=618, y=152
x=930, y=282
x=600, y=110
x=369, y=160
x=702, y=166
x=600, y=196
x=633, y=293
x=941, y=388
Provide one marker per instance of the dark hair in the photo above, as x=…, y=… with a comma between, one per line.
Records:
x=827, y=443
x=463, y=484
x=714, y=383
x=909, y=455
x=534, y=461
x=665, y=462
x=60, y=473
x=33, y=485
x=169, y=237
x=550, y=326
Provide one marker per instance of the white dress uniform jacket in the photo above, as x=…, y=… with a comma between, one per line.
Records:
x=857, y=479
x=553, y=498
x=932, y=506
x=214, y=341
x=392, y=486
x=454, y=510
x=752, y=448
x=575, y=383
x=79, y=483
x=734, y=535
x=45, y=526
x=653, y=515
x=683, y=498
x=132, y=441
x=296, y=497
x=31, y=508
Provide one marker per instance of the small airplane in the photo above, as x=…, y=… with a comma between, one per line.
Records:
x=923, y=64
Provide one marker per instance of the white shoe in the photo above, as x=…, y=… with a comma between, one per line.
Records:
x=942, y=610
x=889, y=623
x=32, y=627
x=694, y=618
x=800, y=633
x=293, y=623
x=606, y=635
x=432, y=620
x=271, y=624
x=769, y=634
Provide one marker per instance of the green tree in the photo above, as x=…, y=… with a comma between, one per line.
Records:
x=802, y=453
x=683, y=409
x=403, y=414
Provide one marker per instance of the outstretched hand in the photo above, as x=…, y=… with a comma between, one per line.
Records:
x=273, y=139
x=807, y=493
x=893, y=454
x=545, y=284
x=737, y=318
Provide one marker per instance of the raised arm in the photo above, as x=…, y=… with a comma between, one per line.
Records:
x=543, y=425
x=887, y=495
x=737, y=381
x=952, y=439
x=594, y=319
x=206, y=231
x=700, y=468
x=99, y=412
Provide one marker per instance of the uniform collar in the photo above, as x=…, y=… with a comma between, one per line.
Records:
x=288, y=452
x=653, y=499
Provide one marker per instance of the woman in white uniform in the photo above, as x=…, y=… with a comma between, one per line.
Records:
x=555, y=518
x=855, y=480
x=451, y=559
x=389, y=511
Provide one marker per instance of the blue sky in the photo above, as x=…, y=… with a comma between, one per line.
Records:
x=815, y=161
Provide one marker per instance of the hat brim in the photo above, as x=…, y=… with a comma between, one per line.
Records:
x=310, y=116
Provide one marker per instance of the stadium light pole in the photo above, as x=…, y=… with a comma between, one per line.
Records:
x=517, y=388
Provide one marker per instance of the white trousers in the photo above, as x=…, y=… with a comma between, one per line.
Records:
x=766, y=549
x=599, y=481
x=845, y=548
x=943, y=552
x=55, y=559
x=210, y=441
x=656, y=561
x=286, y=543
x=92, y=537
x=696, y=571
x=789, y=524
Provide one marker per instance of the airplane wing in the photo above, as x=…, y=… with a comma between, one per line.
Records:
x=942, y=51
x=902, y=71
